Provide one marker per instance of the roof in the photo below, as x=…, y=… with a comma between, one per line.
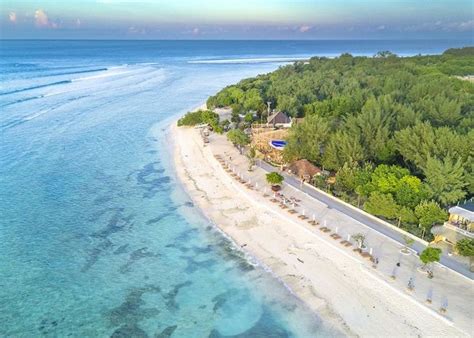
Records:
x=469, y=205
x=304, y=167
x=278, y=114
x=465, y=210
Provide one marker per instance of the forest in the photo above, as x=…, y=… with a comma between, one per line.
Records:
x=396, y=131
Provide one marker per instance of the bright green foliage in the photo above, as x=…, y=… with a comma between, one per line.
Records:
x=430, y=213
x=353, y=177
x=410, y=191
x=380, y=204
x=274, y=178
x=238, y=138
x=248, y=118
x=407, y=215
x=465, y=247
x=445, y=180
x=430, y=255
x=386, y=179
x=201, y=116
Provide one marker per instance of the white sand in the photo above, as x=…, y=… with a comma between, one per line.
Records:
x=338, y=288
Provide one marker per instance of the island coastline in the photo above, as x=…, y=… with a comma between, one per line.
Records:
x=344, y=295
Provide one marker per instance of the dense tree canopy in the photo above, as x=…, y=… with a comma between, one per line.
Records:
x=399, y=132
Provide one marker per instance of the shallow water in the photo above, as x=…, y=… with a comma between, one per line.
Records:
x=97, y=237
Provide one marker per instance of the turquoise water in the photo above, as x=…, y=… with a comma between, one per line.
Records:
x=97, y=237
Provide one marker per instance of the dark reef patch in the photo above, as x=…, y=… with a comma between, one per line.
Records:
x=193, y=264
x=95, y=254
x=130, y=312
x=170, y=297
x=129, y=331
x=121, y=249
x=135, y=256
x=166, y=333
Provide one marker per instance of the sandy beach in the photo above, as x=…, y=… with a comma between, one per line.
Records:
x=340, y=290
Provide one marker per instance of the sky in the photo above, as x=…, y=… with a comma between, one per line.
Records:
x=236, y=19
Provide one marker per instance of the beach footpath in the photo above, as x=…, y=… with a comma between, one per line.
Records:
x=360, y=295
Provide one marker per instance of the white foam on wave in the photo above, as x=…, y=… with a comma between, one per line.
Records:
x=104, y=75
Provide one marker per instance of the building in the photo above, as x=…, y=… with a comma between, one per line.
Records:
x=304, y=169
x=459, y=225
x=279, y=119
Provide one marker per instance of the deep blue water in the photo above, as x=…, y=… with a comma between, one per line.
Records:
x=97, y=237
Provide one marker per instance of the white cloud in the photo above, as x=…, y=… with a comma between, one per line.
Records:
x=78, y=23
x=381, y=27
x=12, y=17
x=196, y=31
x=305, y=28
x=42, y=20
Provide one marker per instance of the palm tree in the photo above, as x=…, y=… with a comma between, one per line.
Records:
x=251, y=155
x=408, y=243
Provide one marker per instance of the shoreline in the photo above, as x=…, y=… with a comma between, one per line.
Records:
x=342, y=296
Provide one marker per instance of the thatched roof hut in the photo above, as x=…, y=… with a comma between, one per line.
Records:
x=304, y=169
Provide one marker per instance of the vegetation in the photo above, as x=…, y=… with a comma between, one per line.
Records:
x=408, y=243
x=251, y=155
x=238, y=138
x=398, y=132
x=360, y=239
x=465, y=247
x=430, y=255
x=200, y=117
x=274, y=178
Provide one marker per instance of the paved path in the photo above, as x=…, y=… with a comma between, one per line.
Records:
x=370, y=222
x=447, y=290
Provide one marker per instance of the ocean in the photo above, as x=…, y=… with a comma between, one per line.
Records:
x=97, y=236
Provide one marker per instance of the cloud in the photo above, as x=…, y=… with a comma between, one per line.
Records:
x=196, y=31
x=305, y=28
x=78, y=23
x=42, y=20
x=12, y=17
x=381, y=27
x=136, y=30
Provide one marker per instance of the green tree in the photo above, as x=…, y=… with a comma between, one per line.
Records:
x=342, y=148
x=410, y=191
x=407, y=215
x=380, y=204
x=465, y=247
x=251, y=155
x=430, y=213
x=238, y=138
x=274, y=178
x=306, y=139
x=445, y=180
x=430, y=255
x=408, y=243
x=248, y=118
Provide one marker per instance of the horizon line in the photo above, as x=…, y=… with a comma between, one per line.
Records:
x=237, y=39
